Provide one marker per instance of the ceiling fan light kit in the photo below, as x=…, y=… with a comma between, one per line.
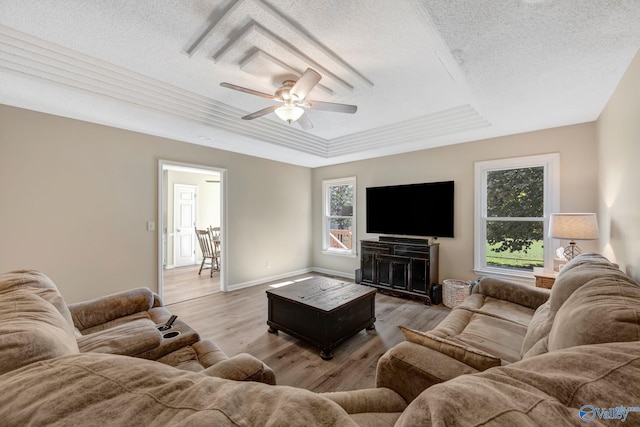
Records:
x=289, y=113
x=293, y=95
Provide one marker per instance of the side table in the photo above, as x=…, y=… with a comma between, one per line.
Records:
x=545, y=278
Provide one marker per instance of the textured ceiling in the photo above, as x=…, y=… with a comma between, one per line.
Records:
x=423, y=73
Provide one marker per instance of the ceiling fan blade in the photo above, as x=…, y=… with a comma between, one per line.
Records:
x=305, y=83
x=260, y=113
x=304, y=122
x=244, y=89
x=330, y=106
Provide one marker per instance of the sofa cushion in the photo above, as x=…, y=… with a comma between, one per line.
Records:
x=576, y=273
x=497, y=308
x=605, y=309
x=546, y=390
x=31, y=330
x=537, y=331
x=473, y=357
x=103, y=389
x=486, y=331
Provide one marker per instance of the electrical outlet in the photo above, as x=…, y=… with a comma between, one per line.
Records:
x=268, y=264
x=151, y=226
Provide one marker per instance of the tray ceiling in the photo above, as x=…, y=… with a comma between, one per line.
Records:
x=423, y=73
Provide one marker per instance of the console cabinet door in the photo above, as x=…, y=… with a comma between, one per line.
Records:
x=420, y=276
x=370, y=251
x=368, y=266
x=383, y=269
x=393, y=271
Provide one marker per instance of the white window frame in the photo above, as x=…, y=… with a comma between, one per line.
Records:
x=326, y=246
x=551, y=164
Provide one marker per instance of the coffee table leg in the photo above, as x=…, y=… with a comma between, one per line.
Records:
x=326, y=354
x=371, y=327
x=272, y=330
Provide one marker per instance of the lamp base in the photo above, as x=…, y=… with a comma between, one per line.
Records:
x=571, y=251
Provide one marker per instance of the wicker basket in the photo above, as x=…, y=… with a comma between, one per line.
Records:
x=454, y=292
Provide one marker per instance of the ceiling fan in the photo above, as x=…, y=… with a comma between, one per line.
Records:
x=293, y=96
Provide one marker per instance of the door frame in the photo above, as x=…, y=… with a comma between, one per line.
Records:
x=194, y=168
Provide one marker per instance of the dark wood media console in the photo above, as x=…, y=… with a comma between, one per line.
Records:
x=400, y=268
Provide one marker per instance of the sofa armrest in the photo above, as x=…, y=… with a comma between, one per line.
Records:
x=88, y=314
x=129, y=339
x=409, y=369
x=517, y=293
x=242, y=367
x=376, y=400
x=209, y=353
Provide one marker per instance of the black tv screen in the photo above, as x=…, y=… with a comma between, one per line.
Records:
x=411, y=210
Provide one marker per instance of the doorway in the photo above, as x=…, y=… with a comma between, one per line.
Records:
x=190, y=197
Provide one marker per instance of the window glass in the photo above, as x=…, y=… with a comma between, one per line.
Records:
x=339, y=216
x=513, y=200
x=515, y=244
x=515, y=192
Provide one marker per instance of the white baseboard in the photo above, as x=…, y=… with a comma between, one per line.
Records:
x=351, y=276
x=262, y=280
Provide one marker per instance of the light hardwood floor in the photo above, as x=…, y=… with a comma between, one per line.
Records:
x=184, y=283
x=237, y=322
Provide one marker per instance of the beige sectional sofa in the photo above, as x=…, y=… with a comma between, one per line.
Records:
x=578, y=355
x=536, y=356
x=487, y=330
x=127, y=323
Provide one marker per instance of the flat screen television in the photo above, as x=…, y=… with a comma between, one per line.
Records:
x=411, y=210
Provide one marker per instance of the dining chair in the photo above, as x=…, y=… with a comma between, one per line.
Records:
x=215, y=231
x=207, y=247
x=215, y=236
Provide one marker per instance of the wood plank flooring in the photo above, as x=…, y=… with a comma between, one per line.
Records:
x=237, y=322
x=184, y=283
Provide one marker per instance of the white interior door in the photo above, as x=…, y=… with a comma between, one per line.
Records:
x=184, y=219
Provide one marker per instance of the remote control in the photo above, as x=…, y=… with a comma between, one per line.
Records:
x=169, y=323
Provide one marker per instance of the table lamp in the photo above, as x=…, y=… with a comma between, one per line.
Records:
x=572, y=227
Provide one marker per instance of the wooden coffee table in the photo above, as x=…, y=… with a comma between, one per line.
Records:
x=321, y=311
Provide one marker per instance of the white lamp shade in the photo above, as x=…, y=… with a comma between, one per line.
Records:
x=574, y=226
x=289, y=113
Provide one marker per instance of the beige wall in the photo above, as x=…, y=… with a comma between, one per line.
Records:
x=619, y=152
x=578, y=185
x=75, y=198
